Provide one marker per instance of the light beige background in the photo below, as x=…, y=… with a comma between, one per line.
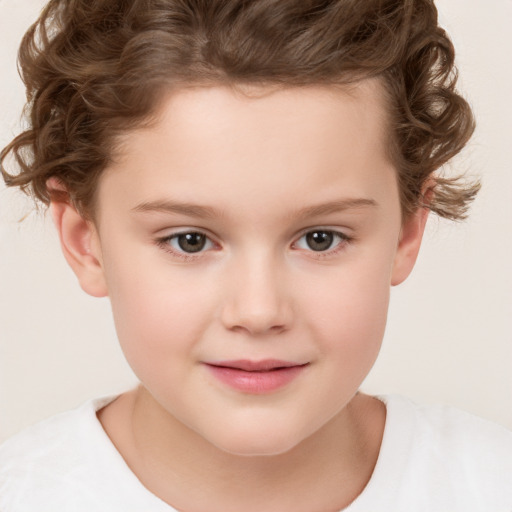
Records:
x=449, y=336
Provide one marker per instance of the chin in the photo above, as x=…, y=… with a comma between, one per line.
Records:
x=257, y=442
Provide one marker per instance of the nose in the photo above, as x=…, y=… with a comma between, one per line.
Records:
x=257, y=299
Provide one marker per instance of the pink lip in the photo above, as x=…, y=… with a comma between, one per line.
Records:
x=256, y=377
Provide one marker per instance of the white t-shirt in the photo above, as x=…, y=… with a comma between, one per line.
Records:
x=434, y=459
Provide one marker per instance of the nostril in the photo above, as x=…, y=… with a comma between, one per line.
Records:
x=278, y=328
x=255, y=329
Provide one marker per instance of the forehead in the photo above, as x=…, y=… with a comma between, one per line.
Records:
x=274, y=113
x=259, y=142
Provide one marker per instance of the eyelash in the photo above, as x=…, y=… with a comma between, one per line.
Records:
x=343, y=241
x=165, y=244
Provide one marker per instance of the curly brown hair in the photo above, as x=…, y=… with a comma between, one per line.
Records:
x=96, y=68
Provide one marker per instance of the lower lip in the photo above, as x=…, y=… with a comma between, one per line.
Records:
x=257, y=383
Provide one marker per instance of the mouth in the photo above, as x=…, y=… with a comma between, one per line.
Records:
x=256, y=366
x=256, y=377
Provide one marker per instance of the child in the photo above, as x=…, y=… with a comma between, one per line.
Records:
x=245, y=180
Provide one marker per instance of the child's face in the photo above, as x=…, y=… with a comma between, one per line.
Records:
x=299, y=209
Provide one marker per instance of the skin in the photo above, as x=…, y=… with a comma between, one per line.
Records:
x=264, y=166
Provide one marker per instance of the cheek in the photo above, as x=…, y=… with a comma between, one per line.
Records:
x=158, y=315
x=349, y=311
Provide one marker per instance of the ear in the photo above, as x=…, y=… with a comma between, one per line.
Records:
x=409, y=245
x=78, y=239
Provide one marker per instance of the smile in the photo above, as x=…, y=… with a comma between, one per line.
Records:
x=256, y=377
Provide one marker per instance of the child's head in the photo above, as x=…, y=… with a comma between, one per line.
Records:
x=239, y=161
x=94, y=70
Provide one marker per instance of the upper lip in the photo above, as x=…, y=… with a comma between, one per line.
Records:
x=255, y=366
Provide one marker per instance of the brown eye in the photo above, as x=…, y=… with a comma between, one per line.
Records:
x=319, y=240
x=323, y=241
x=191, y=242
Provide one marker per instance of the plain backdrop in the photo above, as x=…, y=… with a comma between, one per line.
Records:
x=449, y=335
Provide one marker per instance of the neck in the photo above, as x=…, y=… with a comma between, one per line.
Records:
x=190, y=473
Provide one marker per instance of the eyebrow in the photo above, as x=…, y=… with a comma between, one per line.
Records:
x=199, y=211
x=336, y=206
x=190, y=210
